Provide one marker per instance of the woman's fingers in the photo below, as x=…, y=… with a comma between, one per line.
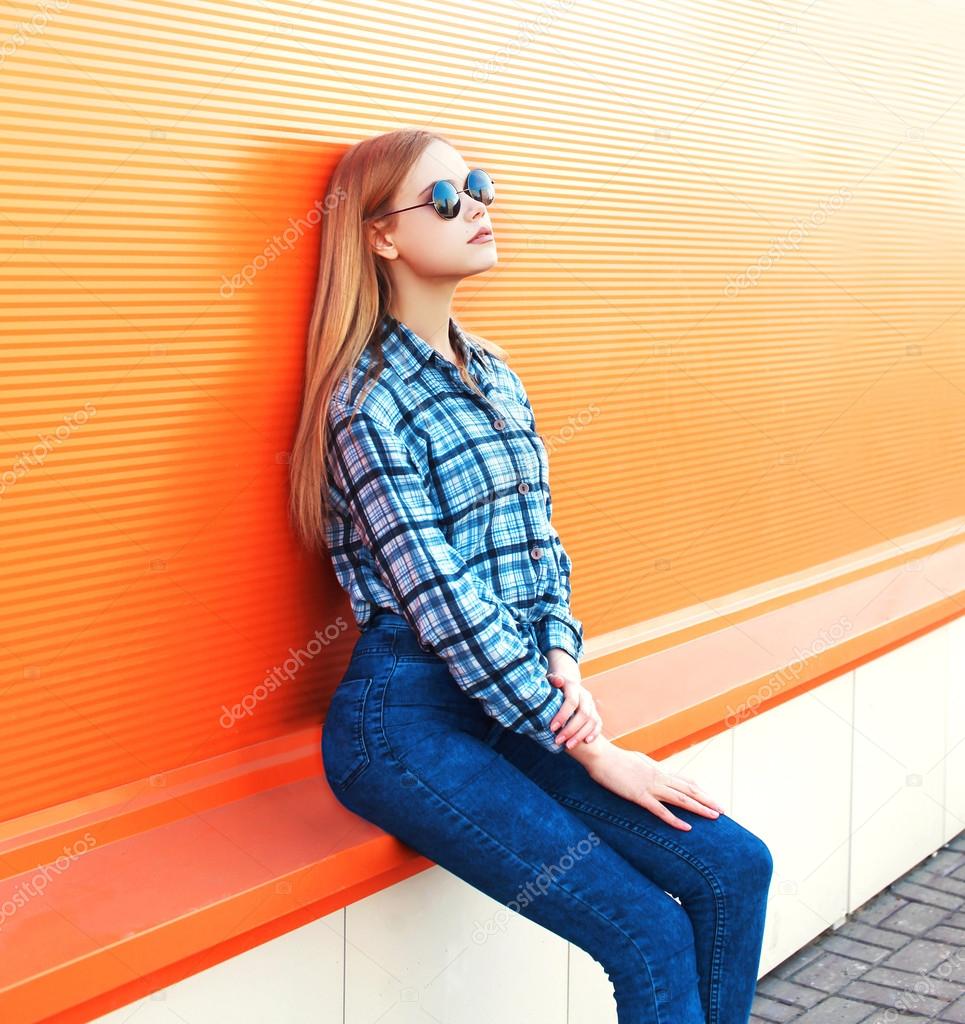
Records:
x=674, y=796
x=689, y=786
x=666, y=789
x=653, y=804
x=581, y=732
x=563, y=718
x=572, y=692
x=594, y=716
x=575, y=723
x=581, y=721
x=584, y=723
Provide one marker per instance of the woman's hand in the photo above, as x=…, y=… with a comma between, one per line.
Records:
x=639, y=778
x=585, y=723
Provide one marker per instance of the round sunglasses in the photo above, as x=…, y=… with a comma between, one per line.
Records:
x=445, y=196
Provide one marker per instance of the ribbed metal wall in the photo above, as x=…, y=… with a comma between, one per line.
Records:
x=731, y=269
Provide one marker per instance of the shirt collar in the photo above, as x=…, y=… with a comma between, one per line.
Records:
x=407, y=352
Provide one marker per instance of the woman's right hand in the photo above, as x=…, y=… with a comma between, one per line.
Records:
x=640, y=778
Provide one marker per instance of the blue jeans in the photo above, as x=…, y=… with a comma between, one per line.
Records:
x=406, y=749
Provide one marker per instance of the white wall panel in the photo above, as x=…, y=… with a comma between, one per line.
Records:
x=899, y=762
x=792, y=786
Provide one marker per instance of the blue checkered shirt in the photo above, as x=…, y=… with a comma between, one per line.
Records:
x=441, y=513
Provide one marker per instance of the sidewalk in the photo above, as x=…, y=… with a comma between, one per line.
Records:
x=899, y=959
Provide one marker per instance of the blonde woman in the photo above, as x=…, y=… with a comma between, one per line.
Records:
x=461, y=725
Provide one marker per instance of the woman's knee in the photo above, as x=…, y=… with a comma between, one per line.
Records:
x=748, y=862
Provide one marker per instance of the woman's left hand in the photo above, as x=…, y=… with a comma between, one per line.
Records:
x=585, y=724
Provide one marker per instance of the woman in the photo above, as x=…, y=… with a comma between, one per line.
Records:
x=461, y=725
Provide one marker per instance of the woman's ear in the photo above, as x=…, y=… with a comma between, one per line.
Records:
x=380, y=241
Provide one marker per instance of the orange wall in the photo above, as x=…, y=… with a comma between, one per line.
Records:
x=717, y=416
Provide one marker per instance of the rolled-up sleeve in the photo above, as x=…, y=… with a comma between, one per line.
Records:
x=454, y=613
x=559, y=627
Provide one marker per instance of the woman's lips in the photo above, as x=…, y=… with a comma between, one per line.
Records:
x=485, y=236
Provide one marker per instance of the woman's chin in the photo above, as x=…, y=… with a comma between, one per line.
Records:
x=483, y=260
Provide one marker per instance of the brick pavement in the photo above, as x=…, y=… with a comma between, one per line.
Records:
x=898, y=959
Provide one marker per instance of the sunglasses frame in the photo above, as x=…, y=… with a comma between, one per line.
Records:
x=432, y=202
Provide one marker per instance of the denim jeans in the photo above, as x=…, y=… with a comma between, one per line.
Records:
x=405, y=748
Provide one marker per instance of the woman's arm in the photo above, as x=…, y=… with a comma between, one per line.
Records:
x=451, y=609
x=559, y=627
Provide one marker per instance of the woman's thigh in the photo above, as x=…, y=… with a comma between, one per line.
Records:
x=683, y=862
x=410, y=754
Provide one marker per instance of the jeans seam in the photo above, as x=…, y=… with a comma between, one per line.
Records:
x=362, y=713
x=515, y=856
x=708, y=876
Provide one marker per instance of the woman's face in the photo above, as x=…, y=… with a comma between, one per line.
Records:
x=430, y=246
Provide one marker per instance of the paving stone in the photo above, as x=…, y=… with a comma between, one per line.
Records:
x=915, y=983
x=893, y=999
x=875, y=936
x=958, y=843
x=794, y=963
x=773, y=1011
x=919, y=955
x=789, y=992
x=829, y=972
x=955, y=1012
x=879, y=907
x=942, y=883
x=914, y=918
x=837, y=1011
x=890, y=1017
x=952, y=969
x=953, y=936
x=946, y=862
x=856, y=950
x=922, y=894
x=919, y=875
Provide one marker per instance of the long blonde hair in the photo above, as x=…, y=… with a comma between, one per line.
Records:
x=353, y=292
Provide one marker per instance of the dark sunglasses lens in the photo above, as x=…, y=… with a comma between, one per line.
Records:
x=480, y=186
x=445, y=198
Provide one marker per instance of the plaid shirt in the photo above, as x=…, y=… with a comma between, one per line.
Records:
x=441, y=514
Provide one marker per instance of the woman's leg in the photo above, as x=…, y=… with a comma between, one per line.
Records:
x=406, y=750
x=720, y=871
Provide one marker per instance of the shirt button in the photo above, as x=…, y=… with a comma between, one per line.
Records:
x=536, y=553
x=523, y=488
x=499, y=424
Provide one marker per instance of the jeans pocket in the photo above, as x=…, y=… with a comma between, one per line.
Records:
x=344, y=753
